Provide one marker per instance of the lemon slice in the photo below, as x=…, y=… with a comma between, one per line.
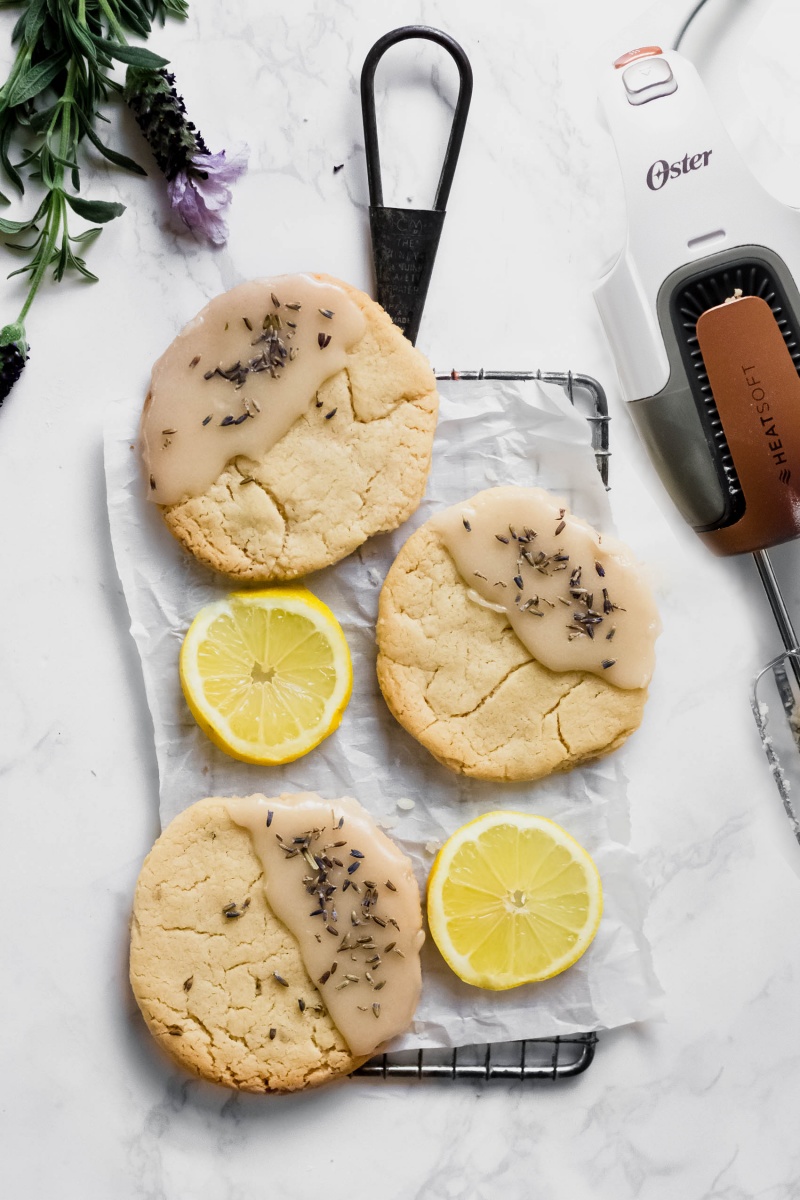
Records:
x=266, y=674
x=512, y=899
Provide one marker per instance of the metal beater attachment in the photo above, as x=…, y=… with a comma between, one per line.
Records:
x=776, y=689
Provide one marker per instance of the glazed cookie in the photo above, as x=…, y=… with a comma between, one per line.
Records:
x=286, y=424
x=232, y=952
x=513, y=640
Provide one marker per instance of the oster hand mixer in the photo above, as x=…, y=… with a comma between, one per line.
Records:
x=702, y=311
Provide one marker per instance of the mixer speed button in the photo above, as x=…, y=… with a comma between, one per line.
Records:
x=648, y=79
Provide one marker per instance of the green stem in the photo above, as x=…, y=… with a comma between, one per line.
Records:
x=113, y=23
x=56, y=207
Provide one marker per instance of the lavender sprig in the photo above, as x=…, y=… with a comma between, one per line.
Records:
x=197, y=180
x=49, y=104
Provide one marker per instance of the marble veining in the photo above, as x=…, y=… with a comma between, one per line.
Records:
x=701, y=1104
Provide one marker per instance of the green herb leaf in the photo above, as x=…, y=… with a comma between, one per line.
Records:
x=34, y=81
x=136, y=56
x=79, y=37
x=20, y=248
x=174, y=8
x=77, y=264
x=9, y=227
x=33, y=20
x=87, y=236
x=114, y=156
x=100, y=211
x=6, y=130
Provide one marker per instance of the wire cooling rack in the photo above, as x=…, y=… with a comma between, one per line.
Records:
x=576, y=387
x=536, y=1058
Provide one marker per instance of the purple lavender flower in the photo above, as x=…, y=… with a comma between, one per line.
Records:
x=197, y=180
x=201, y=194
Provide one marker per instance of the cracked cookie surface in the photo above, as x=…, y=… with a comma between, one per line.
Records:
x=205, y=982
x=328, y=484
x=457, y=677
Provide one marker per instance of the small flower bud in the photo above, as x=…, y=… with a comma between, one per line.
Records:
x=13, y=356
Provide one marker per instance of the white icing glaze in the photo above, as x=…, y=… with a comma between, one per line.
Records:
x=367, y=1011
x=563, y=587
x=276, y=358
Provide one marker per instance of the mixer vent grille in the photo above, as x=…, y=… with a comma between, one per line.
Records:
x=695, y=297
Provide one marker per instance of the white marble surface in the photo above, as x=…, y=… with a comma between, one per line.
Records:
x=701, y=1104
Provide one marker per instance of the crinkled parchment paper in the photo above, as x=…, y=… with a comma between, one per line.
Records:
x=488, y=434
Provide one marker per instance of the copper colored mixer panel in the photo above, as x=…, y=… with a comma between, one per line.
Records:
x=756, y=389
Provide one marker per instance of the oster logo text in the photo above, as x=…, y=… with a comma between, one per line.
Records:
x=661, y=171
